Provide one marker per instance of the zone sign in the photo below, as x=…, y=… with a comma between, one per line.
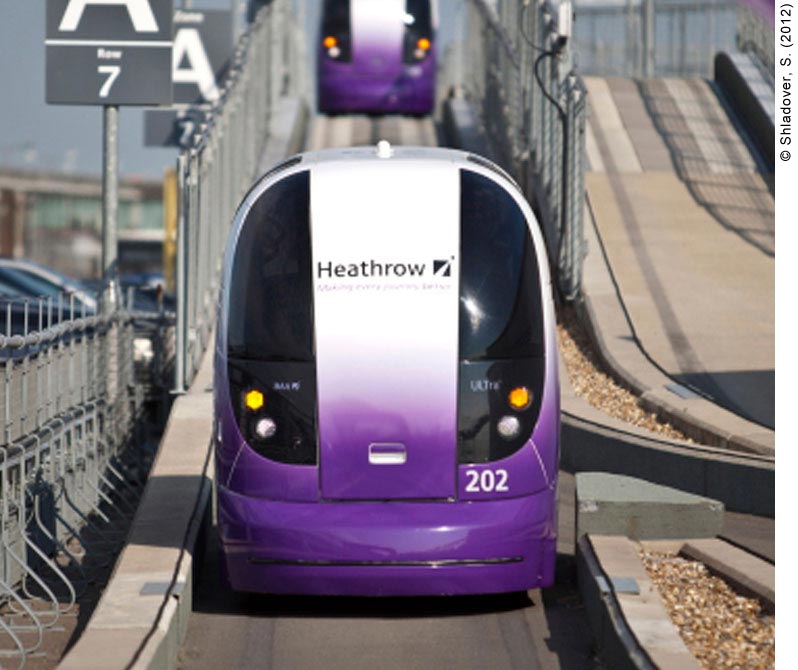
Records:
x=109, y=52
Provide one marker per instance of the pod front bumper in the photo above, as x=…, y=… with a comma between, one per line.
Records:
x=388, y=548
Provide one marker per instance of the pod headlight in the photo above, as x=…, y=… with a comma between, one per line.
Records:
x=508, y=427
x=520, y=398
x=265, y=428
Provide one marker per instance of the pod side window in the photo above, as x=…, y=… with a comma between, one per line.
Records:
x=336, y=23
x=271, y=289
x=418, y=16
x=335, y=17
x=501, y=313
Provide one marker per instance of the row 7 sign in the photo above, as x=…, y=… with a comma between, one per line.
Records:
x=109, y=52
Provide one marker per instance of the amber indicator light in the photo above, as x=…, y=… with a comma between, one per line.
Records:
x=520, y=398
x=254, y=399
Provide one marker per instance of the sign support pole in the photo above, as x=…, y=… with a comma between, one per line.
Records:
x=109, y=251
x=110, y=204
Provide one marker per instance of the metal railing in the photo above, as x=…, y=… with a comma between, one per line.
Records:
x=509, y=61
x=69, y=410
x=217, y=167
x=652, y=38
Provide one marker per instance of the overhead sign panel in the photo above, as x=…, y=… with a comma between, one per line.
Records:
x=109, y=52
x=202, y=46
x=203, y=43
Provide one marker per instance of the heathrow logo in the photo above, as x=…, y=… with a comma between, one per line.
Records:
x=377, y=269
x=443, y=268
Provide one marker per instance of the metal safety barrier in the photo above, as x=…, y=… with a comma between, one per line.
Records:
x=217, y=167
x=510, y=61
x=70, y=408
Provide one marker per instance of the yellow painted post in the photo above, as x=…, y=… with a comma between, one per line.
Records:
x=169, y=228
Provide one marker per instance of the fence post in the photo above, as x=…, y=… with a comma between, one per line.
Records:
x=649, y=15
x=180, y=278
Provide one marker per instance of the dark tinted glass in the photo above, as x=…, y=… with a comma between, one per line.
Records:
x=500, y=301
x=271, y=289
x=336, y=22
x=418, y=24
x=290, y=400
x=422, y=17
x=484, y=388
x=335, y=18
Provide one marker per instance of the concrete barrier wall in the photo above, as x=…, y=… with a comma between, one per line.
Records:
x=743, y=484
x=751, y=97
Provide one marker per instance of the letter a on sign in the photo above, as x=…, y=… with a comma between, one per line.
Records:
x=139, y=10
x=188, y=47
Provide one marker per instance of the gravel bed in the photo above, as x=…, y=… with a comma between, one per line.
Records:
x=597, y=387
x=723, y=630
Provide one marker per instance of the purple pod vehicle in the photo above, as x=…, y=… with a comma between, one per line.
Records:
x=386, y=396
x=377, y=57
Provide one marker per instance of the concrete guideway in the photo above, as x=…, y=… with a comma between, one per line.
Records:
x=684, y=223
x=327, y=132
x=533, y=630
x=631, y=624
x=626, y=610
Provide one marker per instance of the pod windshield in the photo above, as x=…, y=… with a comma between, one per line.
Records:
x=500, y=305
x=271, y=288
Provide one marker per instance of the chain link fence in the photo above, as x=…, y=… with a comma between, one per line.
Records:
x=510, y=61
x=217, y=167
x=70, y=410
x=652, y=38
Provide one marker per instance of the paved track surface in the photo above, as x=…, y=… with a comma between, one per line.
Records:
x=535, y=630
x=687, y=218
x=360, y=130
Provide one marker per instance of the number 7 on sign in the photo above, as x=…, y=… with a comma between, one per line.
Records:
x=113, y=72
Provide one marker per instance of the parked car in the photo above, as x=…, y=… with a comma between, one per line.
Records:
x=26, y=278
x=33, y=297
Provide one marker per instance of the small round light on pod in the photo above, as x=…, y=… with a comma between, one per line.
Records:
x=508, y=427
x=520, y=398
x=265, y=428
